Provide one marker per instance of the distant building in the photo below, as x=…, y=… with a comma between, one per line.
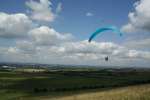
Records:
x=5, y=66
x=8, y=67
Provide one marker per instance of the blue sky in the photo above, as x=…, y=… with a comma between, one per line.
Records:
x=56, y=31
x=73, y=16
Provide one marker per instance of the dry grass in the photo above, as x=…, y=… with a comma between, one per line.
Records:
x=30, y=70
x=141, y=92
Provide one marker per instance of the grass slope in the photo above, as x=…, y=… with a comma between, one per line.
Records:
x=43, y=85
x=139, y=92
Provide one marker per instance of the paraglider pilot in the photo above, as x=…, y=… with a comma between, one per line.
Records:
x=106, y=58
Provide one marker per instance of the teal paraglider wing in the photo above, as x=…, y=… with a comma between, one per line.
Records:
x=99, y=31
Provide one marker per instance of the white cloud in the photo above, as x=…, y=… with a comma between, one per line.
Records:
x=41, y=11
x=89, y=14
x=59, y=8
x=139, y=20
x=90, y=48
x=26, y=47
x=48, y=36
x=80, y=52
x=138, y=54
x=100, y=50
x=14, y=25
x=138, y=44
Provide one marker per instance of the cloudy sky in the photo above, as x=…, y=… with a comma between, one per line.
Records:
x=56, y=32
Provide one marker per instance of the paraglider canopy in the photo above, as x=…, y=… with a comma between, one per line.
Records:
x=101, y=30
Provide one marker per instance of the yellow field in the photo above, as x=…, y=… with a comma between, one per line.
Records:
x=30, y=70
x=141, y=92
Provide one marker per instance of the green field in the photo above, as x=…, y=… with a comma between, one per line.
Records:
x=18, y=85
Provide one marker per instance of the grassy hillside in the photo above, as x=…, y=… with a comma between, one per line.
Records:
x=16, y=85
x=139, y=92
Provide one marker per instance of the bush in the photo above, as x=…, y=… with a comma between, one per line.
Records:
x=36, y=90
